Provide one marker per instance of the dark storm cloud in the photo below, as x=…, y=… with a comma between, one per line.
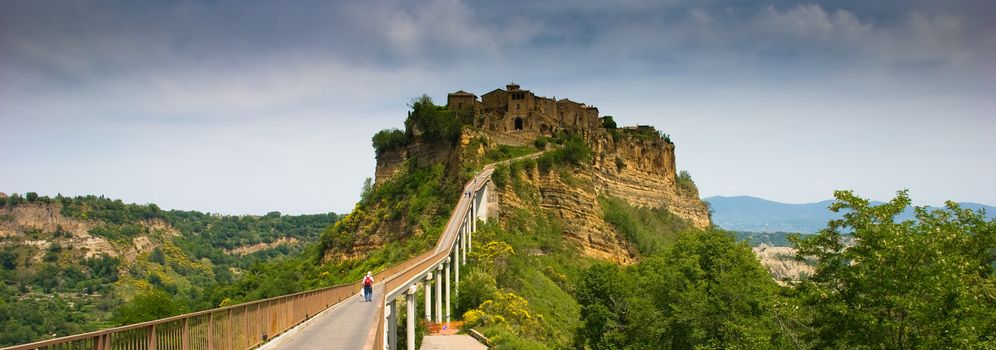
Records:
x=251, y=82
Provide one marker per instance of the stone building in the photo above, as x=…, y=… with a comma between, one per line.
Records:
x=514, y=113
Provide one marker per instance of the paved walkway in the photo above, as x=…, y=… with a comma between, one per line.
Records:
x=343, y=326
x=451, y=342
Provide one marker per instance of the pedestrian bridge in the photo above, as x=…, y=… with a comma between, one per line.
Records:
x=329, y=318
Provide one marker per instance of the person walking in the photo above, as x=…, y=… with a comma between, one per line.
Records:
x=368, y=282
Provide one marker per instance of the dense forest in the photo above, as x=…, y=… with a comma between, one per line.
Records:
x=53, y=288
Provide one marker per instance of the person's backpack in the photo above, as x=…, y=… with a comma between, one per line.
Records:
x=367, y=281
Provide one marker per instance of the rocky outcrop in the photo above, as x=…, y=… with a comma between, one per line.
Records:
x=249, y=249
x=42, y=224
x=576, y=206
x=422, y=153
x=638, y=167
x=16, y=224
x=781, y=262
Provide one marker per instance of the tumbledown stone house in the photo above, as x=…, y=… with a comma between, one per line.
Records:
x=519, y=116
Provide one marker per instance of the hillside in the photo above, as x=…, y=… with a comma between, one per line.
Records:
x=77, y=264
x=597, y=193
x=752, y=214
x=419, y=169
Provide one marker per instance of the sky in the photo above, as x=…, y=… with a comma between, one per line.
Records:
x=246, y=107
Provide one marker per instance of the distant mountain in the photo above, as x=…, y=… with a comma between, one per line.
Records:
x=752, y=214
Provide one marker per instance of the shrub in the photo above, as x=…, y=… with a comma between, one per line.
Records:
x=608, y=122
x=500, y=175
x=545, y=162
x=684, y=182
x=576, y=151
x=389, y=139
x=434, y=122
x=540, y=143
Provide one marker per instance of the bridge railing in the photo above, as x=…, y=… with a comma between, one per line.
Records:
x=248, y=325
x=411, y=269
x=241, y=326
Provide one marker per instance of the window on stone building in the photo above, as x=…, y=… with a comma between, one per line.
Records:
x=518, y=123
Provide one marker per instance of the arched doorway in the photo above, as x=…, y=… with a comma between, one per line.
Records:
x=518, y=123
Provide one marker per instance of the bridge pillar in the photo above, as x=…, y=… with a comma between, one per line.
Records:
x=439, y=294
x=456, y=265
x=448, y=286
x=392, y=324
x=463, y=241
x=427, y=284
x=410, y=331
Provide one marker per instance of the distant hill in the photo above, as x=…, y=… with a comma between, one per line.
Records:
x=752, y=214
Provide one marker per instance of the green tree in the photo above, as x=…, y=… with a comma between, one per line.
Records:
x=157, y=256
x=389, y=139
x=706, y=291
x=31, y=197
x=431, y=122
x=149, y=305
x=925, y=283
x=608, y=122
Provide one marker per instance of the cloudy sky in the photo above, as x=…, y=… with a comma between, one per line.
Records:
x=250, y=106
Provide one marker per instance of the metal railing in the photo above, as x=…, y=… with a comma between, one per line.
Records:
x=415, y=267
x=241, y=326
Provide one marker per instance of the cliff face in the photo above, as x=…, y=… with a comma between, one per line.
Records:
x=574, y=201
x=42, y=225
x=634, y=164
x=636, y=170
x=641, y=170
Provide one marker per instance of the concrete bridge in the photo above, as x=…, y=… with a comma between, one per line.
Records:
x=356, y=324
x=329, y=318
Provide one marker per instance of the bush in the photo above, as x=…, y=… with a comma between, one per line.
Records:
x=389, y=139
x=500, y=175
x=545, y=162
x=576, y=151
x=540, y=143
x=608, y=122
x=684, y=182
x=149, y=305
x=434, y=122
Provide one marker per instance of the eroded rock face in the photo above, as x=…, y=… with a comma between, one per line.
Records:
x=19, y=222
x=47, y=218
x=641, y=171
x=638, y=170
x=782, y=264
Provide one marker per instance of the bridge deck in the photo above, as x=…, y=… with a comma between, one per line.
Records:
x=343, y=326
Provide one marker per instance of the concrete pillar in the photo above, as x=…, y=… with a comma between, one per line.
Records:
x=428, y=297
x=392, y=325
x=447, y=269
x=463, y=241
x=439, y=294
x=410, y=331
x=456, y=266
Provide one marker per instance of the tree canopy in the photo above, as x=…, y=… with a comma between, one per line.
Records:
x=925, y=283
